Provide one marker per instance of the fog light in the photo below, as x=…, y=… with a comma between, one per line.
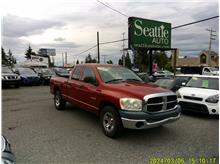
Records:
x=139, y=124
x=213, y=110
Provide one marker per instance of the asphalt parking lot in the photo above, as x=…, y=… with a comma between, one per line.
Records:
x=40, y=134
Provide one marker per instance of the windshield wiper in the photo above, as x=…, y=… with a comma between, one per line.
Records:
x=132, y=80
x=113, y=80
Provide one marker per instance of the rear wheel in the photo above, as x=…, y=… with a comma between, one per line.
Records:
x=59, y=102
x=110, y=121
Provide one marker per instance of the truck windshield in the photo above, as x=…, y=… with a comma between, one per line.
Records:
x=204, y=82
x=113, y=74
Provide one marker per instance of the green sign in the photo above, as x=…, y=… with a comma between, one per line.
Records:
x=146, y=33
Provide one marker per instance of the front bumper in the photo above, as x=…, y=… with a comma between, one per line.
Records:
x=199, y=106
x=10, y=82
x=143, y=120
x=31, y=81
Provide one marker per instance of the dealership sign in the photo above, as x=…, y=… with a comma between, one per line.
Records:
x=144, y=33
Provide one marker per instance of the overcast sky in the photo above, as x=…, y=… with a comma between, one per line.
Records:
x=71, y=25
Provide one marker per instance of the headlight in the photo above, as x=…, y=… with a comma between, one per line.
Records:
x=212, y=99
x=131, y=104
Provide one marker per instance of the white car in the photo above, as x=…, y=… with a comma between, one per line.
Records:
x=201, y=94
x=210, y=71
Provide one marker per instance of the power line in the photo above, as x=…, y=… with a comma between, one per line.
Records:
x=108, y=6
x=202, y=20
x=115, y=41
x=85, y=50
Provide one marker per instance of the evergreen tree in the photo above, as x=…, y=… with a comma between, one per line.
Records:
x=120, y=62
x=109, y=62
x=94, y=60
x=9, y=53
x=11, y=60
x=127, y=60
x=3, y=56
x=29, y=52
x=89, y=59
x=162, y=60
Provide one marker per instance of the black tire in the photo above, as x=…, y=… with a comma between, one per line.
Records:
x=42, y=82
x=110, y=122
x=59, y=102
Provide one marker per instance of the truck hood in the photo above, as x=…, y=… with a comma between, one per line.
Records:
x=197, y=92
x=135, y=90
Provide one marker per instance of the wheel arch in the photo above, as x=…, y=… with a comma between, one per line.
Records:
x=106, y=103
x=56, y=88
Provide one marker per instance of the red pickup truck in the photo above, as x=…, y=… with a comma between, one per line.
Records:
x=117, y=95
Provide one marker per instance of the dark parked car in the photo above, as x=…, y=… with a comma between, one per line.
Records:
x=45, y=75
x=184, y=78
x=9, y=78
x=28, y=76
x=7, y=156
x=145, y=77
x=172, y=84
x=61, y=72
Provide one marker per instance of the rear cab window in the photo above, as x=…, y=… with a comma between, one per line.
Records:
x=76, y=73
x=88, y=75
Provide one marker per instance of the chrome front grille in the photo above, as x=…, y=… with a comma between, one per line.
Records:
x=160, y=102
x=10, y=77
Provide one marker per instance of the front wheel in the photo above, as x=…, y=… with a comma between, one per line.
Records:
x=58, y=101
x=111, y=122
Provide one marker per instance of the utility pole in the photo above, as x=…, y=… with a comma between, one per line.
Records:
x=98, y=47
x=123, y=49
x=212, y=37
x=104, y=57
x=62, y=60
x=65, y=57
x=151, y=61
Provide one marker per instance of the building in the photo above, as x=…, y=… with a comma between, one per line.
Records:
x=195, y=64
x=202, y=60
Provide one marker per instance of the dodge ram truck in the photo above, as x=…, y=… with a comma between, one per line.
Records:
x=117, y=95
